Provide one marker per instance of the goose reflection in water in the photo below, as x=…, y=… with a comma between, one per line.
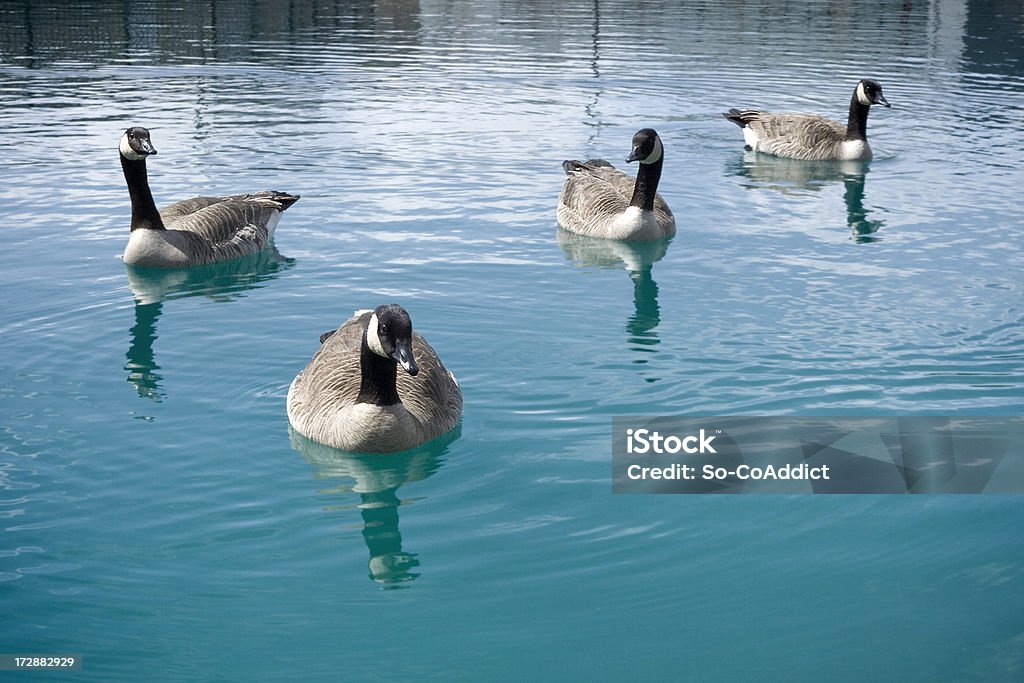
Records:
x=150, y=288
x=791, y=176
x=638, y=258
x=862, y=227
x=376, y=479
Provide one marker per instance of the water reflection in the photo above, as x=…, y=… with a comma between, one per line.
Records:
x=223, y=281
x=139, y=361
x=862, y=228
x=376, y=480
x=40, y=33
x=638, y=258
x=592, y=111
x=792, y=176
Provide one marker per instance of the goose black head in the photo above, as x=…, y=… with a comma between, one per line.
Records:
x=870, y=92
x=389, y=335
x=646, y=147
x=135, y=144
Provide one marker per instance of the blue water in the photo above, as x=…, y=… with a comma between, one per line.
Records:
x=156, y=514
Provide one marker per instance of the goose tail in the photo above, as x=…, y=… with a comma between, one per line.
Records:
x=282, y=198
x=571, y=166
x=738, y=117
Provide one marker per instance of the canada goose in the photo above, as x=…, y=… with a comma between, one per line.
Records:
x=809, y=137
x=601, y=201
x=194, y=231
x=351, y=396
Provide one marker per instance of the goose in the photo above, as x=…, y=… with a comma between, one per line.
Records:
x=599, y=200
x=809, y=137
x=194, y=231
x=351, y=395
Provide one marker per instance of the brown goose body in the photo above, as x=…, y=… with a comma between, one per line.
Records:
x=351, y=398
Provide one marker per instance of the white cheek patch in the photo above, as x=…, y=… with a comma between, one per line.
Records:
x=862, y=96
x=126, y=150
x=372, y=340
x=655, y=153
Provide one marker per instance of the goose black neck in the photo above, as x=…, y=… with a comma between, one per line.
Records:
x=647, y=177
x=144, y=211
x=377, y=385
x=857, y=124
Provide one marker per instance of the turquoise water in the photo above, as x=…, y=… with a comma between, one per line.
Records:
x=156, y=515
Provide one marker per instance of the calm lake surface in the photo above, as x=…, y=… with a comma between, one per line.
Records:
x=156, y=515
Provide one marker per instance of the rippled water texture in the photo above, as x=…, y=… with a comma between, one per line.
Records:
x=158, y=517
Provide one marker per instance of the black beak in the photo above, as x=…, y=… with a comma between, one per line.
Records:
x=147, y=147
x=635, y=155
x=882, y=101
x=403, y=354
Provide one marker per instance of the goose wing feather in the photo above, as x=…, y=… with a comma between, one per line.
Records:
x=433, y=395
x=331, y=379
x=187, y=207
x=221, y=228
x=663, y=213
x=595, y=188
